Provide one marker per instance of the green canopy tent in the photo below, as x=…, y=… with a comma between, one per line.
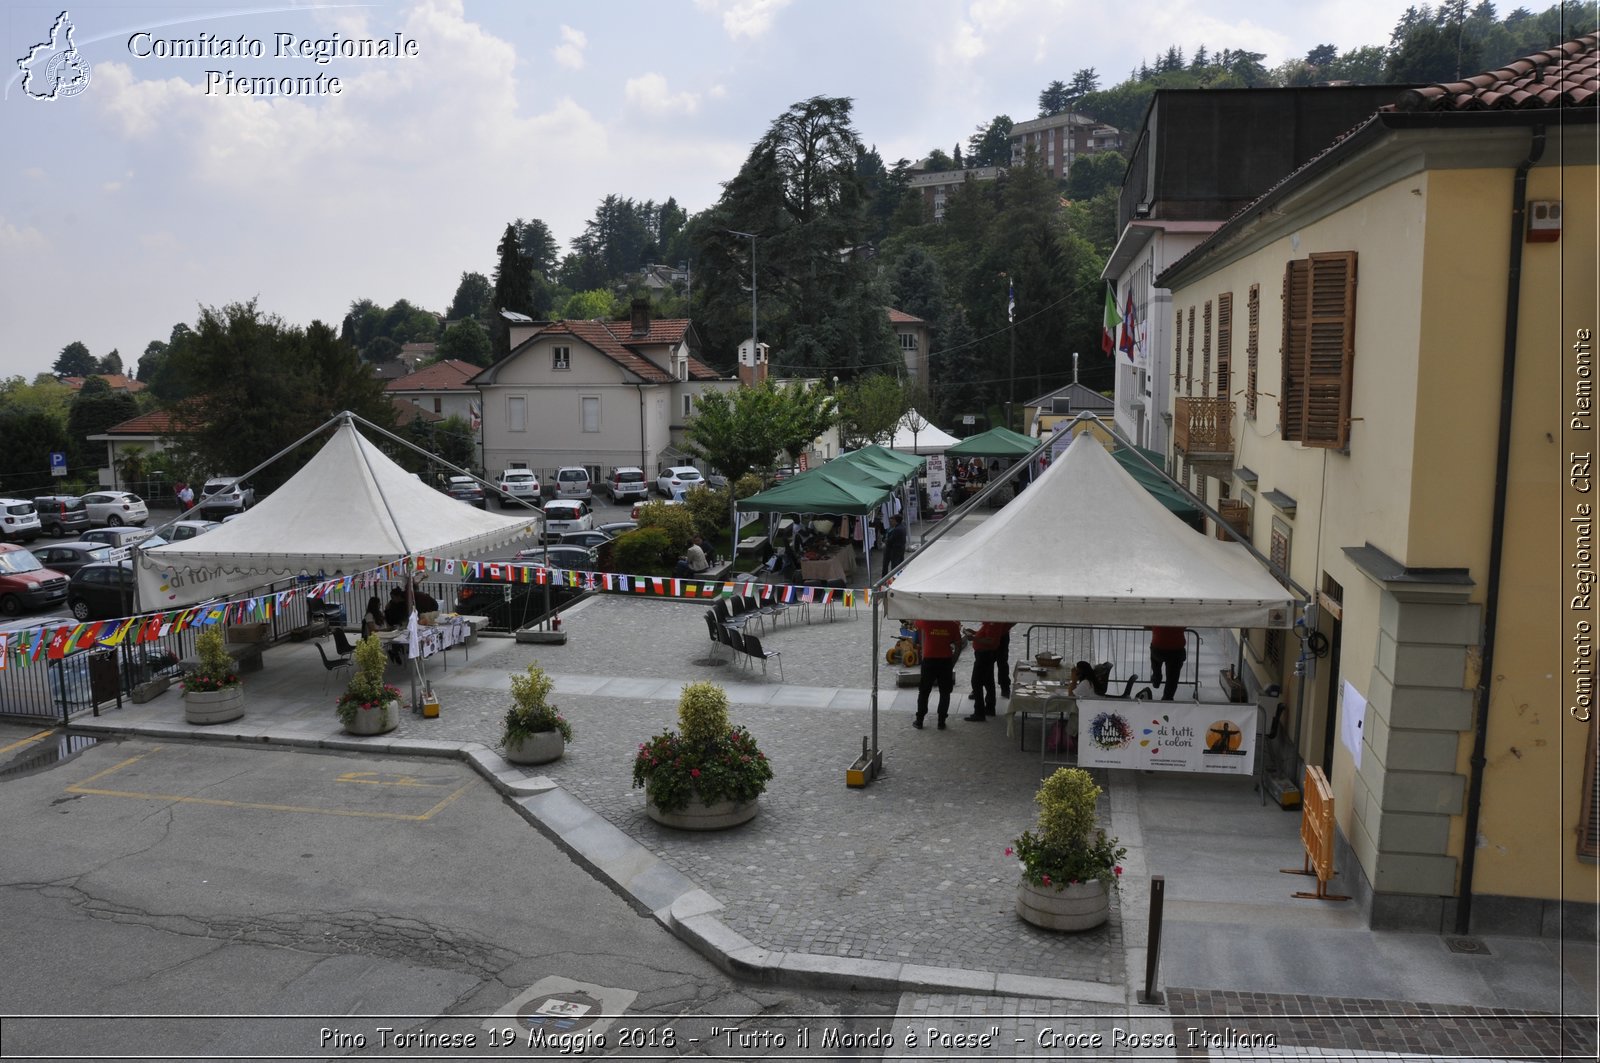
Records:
x=997, y=442
x=817, y=491
x=889, y=459
x=1179, y=504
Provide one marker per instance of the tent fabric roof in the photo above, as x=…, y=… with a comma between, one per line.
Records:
x=997, y=442
x=925, y=439
x=816, y=491
x=1152, y=481
x=349, y=509
x=1085, y=544
x=890, y=458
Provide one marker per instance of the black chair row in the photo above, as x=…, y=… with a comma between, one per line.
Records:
x=739, y=611
x=741, y=644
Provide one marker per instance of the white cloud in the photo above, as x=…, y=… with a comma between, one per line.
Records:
x=649, y=93
x=569, y=53
x=744, y=18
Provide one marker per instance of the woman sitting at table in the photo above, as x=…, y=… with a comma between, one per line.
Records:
x=1084, y=683
x=373, y=619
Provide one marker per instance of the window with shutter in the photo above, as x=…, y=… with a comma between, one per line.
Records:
x=1278, y=551
x=1205, y=354
x=1188, y=358
x=1252, y=348
x=1330, y=347
x=1224, y=345
x=1589, y=825
x=1296, y=297
x=1177, y=350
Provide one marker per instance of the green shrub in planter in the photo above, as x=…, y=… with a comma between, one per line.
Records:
x=710, y=759
x=644, y=551
x=1068, y=847
x=531, y=712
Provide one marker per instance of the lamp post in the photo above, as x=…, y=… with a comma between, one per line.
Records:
x=755, y=358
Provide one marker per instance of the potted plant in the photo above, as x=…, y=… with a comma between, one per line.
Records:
x=709, y=776
x=1070, y=867
x=534, y=730
x=213, y=692
x=369, y=706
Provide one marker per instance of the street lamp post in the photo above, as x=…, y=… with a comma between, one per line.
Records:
x=755, y=357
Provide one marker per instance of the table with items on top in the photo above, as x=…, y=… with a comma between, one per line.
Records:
x=1040, y=690
x=836, y=567
x=446, y=633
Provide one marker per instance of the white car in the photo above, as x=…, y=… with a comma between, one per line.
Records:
x=180, y=530
x=676, y=481
x=562, y=515
x=518, y=484
x=222, y=495
x=19, y=521
x=115, y=508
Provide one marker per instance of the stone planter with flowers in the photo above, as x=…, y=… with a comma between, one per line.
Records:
x=369, y=706
x=1070, y=867
x=534, y=730
x=212, y=693
x=707, y=777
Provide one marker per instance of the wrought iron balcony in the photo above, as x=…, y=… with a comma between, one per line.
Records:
x=1203, y=428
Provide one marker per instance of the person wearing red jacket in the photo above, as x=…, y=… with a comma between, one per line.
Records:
x=986, y=643
x=940, y=640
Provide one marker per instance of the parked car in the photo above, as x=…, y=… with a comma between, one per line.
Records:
x=115, y=508
x=466, y=489
x=102, y=591
x=223, y=495
x=638, y=507
x=61, y=515
x=518, y=485
x=572, y=481
x=592, y=538
x=562, y=555
x=122, y=538
x=562, y=515
x=27, y=584
x=19, y=523
x=628, y=481
x=617, y=527
x=180, y=530
x=676, y=481
x=67, y=558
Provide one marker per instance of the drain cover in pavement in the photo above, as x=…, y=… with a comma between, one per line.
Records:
x=1470, y=946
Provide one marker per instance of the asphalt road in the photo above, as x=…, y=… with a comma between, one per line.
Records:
x=179, y=900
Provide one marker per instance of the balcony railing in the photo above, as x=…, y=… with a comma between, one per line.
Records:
x=1202, y=426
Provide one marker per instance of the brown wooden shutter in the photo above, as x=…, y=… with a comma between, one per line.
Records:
x=1224, y=345
x=1188, y=358
x=1296, y=311
x=1177, y=350
x=1330, y=351
x=1205, y=354
x=1251, y=350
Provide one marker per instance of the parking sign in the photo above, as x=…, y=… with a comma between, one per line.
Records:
x=58, y=463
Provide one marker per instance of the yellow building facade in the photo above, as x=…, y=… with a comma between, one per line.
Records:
x=1358, y=329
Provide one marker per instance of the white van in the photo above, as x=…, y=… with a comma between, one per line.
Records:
x=573, y=482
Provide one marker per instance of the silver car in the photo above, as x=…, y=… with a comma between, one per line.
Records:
x=116, y=508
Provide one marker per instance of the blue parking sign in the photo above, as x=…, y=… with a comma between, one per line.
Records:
x=58, y=463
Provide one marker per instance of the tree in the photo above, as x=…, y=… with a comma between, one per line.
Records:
x=28, y=435
x=869, y=409
x=596, y=304
x=150, y=361
x=538, y=245
x=513, y=287
x=745, y=429
x=1054, y=99
x=991, y=144
x=1084, y=82
x=111, y=363
x=938, y=162
x=74, y=360
x=472, y=298
x=95, y=409
x=467, y=341
x=1093, y=174
x=382, y=349
x=1322, y=55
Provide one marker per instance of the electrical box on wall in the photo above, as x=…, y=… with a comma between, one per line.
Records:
x=1544, y=221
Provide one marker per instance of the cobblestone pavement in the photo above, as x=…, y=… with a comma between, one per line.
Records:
x=911, y=868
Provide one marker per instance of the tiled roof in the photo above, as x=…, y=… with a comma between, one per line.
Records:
x=406, y=411
x=900, y=317
x=390, y=370
x=611, y=339
x=154, y=423
x=117, y=382
x=1565, y=76
x=451, y=374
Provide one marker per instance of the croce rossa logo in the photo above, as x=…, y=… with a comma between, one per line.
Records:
x=54, y=68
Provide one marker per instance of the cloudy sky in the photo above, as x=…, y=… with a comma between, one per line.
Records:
x=155, y=190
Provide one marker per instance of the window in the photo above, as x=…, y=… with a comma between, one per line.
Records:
x=1279, y=553
x=561, y=358
x=1252, y=346
x=908, y=341
x=1188, y=368
x=438, y=405
x=591, y=414
x=516, y=414
x=688, y=405
x=1224, y=345
x=1205, y=354
x=1319, y=310
x=1177, y=350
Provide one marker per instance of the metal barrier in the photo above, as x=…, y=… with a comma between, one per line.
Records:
x=1126, y=648
x=1316, y=835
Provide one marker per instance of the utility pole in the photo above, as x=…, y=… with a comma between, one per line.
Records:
x=755, y=358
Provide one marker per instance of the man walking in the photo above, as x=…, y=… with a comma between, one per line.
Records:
x=894, y=543
x=1168, y=651
x=940, y=640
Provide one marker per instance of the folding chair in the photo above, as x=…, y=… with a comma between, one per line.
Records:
x=342, y=642
x=712, y=628
x=332, y=665
x=744, y=610
x=771, y=607
x=735, y=641
x=752, y=647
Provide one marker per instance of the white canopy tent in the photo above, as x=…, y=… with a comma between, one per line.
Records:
x=915, y=434
x=1086, y=544
x=349, y=509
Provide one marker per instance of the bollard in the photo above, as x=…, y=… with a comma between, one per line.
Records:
x=1152, y=960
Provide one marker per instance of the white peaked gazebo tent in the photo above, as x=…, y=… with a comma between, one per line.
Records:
x=1086, y=544
x=349, y=509
x=915, y=434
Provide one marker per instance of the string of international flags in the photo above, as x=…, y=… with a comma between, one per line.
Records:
x=54, y=640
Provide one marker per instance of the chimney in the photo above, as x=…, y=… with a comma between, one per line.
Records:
x=641, y=318
x=752, y=363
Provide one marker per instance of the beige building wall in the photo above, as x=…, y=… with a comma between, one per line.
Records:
x=1417, y=483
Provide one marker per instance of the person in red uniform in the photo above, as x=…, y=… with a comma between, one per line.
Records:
x=940, y=639
x=1168, y=651
x=986, y=642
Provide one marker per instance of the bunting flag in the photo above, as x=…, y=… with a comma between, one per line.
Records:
x=1108, y=327
x=1011, y=302
x=115, y=637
